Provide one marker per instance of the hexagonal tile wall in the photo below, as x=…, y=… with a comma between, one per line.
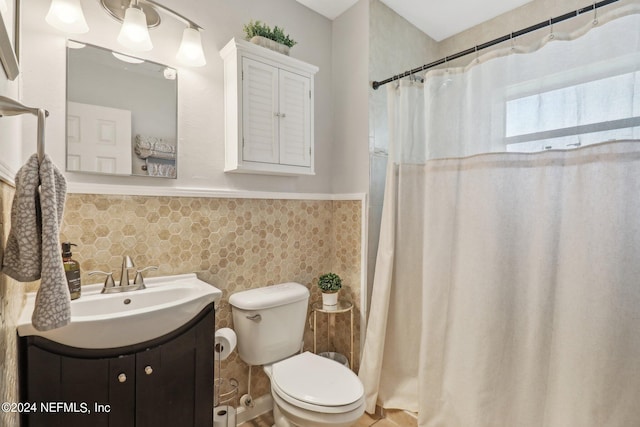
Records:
x=234, y=244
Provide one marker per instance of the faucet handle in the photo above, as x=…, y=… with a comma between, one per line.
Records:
x=108, y=280
x=139, y=280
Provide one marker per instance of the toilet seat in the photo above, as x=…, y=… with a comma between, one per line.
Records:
x=317, y=384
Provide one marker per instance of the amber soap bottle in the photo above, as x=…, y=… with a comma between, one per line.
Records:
x=71, y=270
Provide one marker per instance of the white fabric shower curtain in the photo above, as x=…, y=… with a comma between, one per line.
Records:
x=506, y=291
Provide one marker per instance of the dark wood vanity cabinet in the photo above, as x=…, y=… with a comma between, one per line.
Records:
x=164, y=382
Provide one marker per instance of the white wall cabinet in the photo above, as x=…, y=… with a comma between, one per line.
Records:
x=268, y=111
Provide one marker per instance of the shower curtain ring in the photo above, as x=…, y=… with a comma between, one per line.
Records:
x=551, y=35
x=595, y=14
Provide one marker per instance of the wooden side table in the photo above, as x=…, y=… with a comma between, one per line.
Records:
x=341, y=307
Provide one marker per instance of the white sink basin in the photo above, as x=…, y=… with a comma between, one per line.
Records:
x=126, y=318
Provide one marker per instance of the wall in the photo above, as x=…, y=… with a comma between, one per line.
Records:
x=395, y=45
x=11, y=292
x=10, y=128
x=11, y=301
x=234, y=244
x=350, y=99
x=529, y=14
x=200, y=98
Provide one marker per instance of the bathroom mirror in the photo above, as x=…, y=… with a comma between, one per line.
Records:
x=121, y=114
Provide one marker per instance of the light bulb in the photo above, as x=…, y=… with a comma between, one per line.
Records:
x=134, y=33
x=191, y=52
x=67, y=16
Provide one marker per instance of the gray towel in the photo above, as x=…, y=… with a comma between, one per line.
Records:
x=33, y=245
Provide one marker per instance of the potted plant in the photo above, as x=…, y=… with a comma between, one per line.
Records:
x=274, y=39
x=329, y=284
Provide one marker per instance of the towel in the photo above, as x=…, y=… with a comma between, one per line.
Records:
x=33, y=245
x=161, y=167
x=151, y=146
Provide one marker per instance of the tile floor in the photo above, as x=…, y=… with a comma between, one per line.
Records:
x=367, y=420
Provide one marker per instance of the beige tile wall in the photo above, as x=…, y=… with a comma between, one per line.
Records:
x=11, y=301
x=234, y=244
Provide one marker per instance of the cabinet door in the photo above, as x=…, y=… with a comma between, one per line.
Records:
x=295, y=119
x=259, y=112
x=67, y=389
x=175, y=380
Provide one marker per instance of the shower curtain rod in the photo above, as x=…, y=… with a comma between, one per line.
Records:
x=494, y=42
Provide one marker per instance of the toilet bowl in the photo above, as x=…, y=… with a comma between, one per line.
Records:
x=308, y=390
x=313, y=391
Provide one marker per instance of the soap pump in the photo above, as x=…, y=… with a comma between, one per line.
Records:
x=71, y=270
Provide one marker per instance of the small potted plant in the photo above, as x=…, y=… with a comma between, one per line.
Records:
x=274, y=39
x=329, y=284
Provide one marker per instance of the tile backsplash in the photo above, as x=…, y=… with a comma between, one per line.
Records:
x=234, y=244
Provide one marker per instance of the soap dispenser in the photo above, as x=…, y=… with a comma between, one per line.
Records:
x=71, y=270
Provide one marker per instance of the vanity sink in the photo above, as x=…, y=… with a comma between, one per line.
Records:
x=100, y=321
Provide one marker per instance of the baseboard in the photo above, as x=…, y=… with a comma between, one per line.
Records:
x=400, y=417
x=262, y=404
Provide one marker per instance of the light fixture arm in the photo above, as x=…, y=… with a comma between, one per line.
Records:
x=174, y=14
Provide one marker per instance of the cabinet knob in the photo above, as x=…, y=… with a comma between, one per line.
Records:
x=122, y=378
x=148, y=370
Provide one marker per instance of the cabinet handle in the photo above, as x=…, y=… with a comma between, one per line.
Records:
x=148, y=370
x=122, y=378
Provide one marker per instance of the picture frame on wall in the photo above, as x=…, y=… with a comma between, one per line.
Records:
x=9, y=37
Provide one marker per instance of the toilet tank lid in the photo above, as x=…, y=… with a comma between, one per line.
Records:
x=269, y=296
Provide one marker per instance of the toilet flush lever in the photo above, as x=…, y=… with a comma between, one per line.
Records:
x=255, y=317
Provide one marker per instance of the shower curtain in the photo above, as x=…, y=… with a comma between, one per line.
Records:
x=507, y=290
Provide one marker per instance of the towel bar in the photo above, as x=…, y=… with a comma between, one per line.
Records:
x=10, y=107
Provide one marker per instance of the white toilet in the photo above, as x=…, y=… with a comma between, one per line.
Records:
x=307, y=390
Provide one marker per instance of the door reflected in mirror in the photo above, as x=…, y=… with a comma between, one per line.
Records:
x=121, y=114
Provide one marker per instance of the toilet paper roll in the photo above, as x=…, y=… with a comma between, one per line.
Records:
x=226, y=340
x=224, y=416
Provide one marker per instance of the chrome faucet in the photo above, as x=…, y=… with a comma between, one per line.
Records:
x=127, y=264
x=125, y=285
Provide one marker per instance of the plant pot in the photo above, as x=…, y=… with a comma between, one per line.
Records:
x=330, y=300
x=270, y=44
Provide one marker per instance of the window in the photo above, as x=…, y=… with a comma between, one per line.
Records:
x=576, y=114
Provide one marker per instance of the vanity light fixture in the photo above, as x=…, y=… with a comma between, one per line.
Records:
x=67, y=16
x=134, y=34
x=137, y=16
x=137, y=12
x=190, y=52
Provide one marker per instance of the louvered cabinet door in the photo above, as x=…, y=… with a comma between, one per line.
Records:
x=260, y=112
x=295, y=119
x=268, y=100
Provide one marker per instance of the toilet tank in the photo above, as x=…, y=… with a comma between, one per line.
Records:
x=269, y=322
